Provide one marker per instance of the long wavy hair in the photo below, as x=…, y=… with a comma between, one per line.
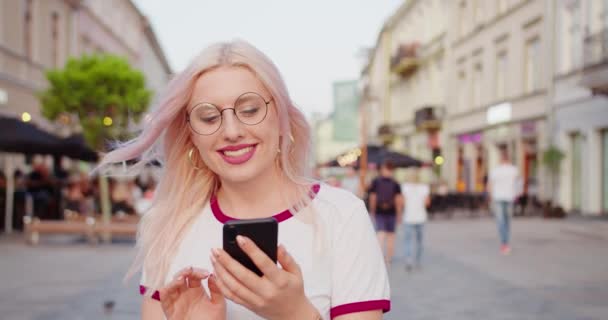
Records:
x=182, y=191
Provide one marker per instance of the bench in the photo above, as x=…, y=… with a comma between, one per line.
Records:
x=91, y=227
x=33, y=227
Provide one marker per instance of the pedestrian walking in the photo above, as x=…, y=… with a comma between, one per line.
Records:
x=234, y=146
x=417, y=196
x=386, y=207
x=503, y=189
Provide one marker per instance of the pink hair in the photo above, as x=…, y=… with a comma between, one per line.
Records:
x=182, y=191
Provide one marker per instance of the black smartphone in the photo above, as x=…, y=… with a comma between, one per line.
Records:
x=263, y=232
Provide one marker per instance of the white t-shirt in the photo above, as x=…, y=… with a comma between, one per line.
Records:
x=342, y=265
x=504, y=182
x=415, y=195
x=351, y=184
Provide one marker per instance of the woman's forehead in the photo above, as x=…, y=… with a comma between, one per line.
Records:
x=222, y=86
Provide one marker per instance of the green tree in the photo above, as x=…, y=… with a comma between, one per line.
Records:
x=103, y=91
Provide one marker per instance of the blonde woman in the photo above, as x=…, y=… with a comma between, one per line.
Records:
x=234, y=146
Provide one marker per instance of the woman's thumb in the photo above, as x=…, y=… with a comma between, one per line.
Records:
x=214, y=291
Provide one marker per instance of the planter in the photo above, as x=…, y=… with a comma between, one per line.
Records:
x=551, y=212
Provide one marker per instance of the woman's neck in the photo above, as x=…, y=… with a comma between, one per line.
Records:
x=261, y=197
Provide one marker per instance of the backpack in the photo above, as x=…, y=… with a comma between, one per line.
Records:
x=385, y=193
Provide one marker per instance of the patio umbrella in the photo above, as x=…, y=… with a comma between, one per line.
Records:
x=21, y=137
x=375, y=154
x=75, y=147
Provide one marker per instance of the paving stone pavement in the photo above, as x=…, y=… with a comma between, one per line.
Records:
x=557, y=271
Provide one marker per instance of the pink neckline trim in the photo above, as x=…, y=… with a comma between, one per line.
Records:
x=280, y=217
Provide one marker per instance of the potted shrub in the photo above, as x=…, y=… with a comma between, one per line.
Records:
x=552, y=158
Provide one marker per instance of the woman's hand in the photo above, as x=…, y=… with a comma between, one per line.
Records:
x=278, y=295
x=186, y=298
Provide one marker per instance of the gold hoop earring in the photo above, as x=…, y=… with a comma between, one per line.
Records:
x=190, y=152
x=290, y=139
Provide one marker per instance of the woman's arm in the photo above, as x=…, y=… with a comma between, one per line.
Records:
x=367, y=315
x=151, y=309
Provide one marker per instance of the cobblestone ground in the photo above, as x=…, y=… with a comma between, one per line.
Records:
x=558, y=270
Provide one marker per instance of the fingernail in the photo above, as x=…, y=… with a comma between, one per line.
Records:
x=212, y=259
x=216, y=252
x=240, y=240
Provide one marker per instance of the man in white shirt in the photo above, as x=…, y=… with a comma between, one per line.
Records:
x=417, y=199
x=503, y=188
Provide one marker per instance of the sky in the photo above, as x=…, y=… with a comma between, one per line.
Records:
x=313, y=42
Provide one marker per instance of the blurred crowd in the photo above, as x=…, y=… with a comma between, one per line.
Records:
x=54, y=192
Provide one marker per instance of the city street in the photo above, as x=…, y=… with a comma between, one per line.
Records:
x=558, y=270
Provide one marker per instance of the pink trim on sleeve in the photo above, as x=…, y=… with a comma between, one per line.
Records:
x=155, y=295
x=385, y=305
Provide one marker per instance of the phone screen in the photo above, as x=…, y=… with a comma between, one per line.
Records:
x=263, y=232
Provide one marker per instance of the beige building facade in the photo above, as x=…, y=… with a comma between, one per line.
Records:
x=580, y=105
x=37, y=35
x=498, y=74
x=404, y=81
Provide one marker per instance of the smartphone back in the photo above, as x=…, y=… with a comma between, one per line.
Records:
x=263, y=232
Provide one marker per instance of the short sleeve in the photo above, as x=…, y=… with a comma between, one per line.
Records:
x=143, y=288
x=359, y=277
x=397, y=188
x=372, y=188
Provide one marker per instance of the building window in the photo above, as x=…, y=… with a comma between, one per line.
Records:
x=532, y=72
x=463, y=19
x=462, y=94
x=478, y=12
x=574, y=29
x=501, y=75
x=477, y=85
x=502, y=5
x=55, y=39
x=605, y=171
x=27, y=30
x=577, y=170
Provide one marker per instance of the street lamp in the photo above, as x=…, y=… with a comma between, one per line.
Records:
x=26, y=117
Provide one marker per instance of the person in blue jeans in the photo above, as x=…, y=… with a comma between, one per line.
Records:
x=386, y=206
x=417, y=199
x=503, y=188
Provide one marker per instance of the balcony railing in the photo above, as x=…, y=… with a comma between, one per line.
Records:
x=596, y=48
x=595, y=63
x=405, y=61
x=427, y=118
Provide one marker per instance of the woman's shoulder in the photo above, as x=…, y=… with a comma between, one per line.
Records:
x=337, y=201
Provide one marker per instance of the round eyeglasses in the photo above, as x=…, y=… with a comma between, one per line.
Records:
x=250, y=108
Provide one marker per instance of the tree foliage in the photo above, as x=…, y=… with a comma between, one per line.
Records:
x=95, y=87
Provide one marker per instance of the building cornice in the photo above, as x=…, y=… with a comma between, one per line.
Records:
x=483, y=26
x=485, y=107
x=388, y=25
x=132, y=51
x=151, y=36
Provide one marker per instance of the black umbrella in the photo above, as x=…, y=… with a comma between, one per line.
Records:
x=377, y=155
x=400, y=160
x=75, y=147
x=21, y=137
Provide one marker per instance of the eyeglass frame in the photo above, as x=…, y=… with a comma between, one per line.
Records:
x=221, y=111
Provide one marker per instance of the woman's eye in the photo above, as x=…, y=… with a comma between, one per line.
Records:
x=249, y=111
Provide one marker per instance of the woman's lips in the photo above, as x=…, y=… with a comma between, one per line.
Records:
x=237, y=156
